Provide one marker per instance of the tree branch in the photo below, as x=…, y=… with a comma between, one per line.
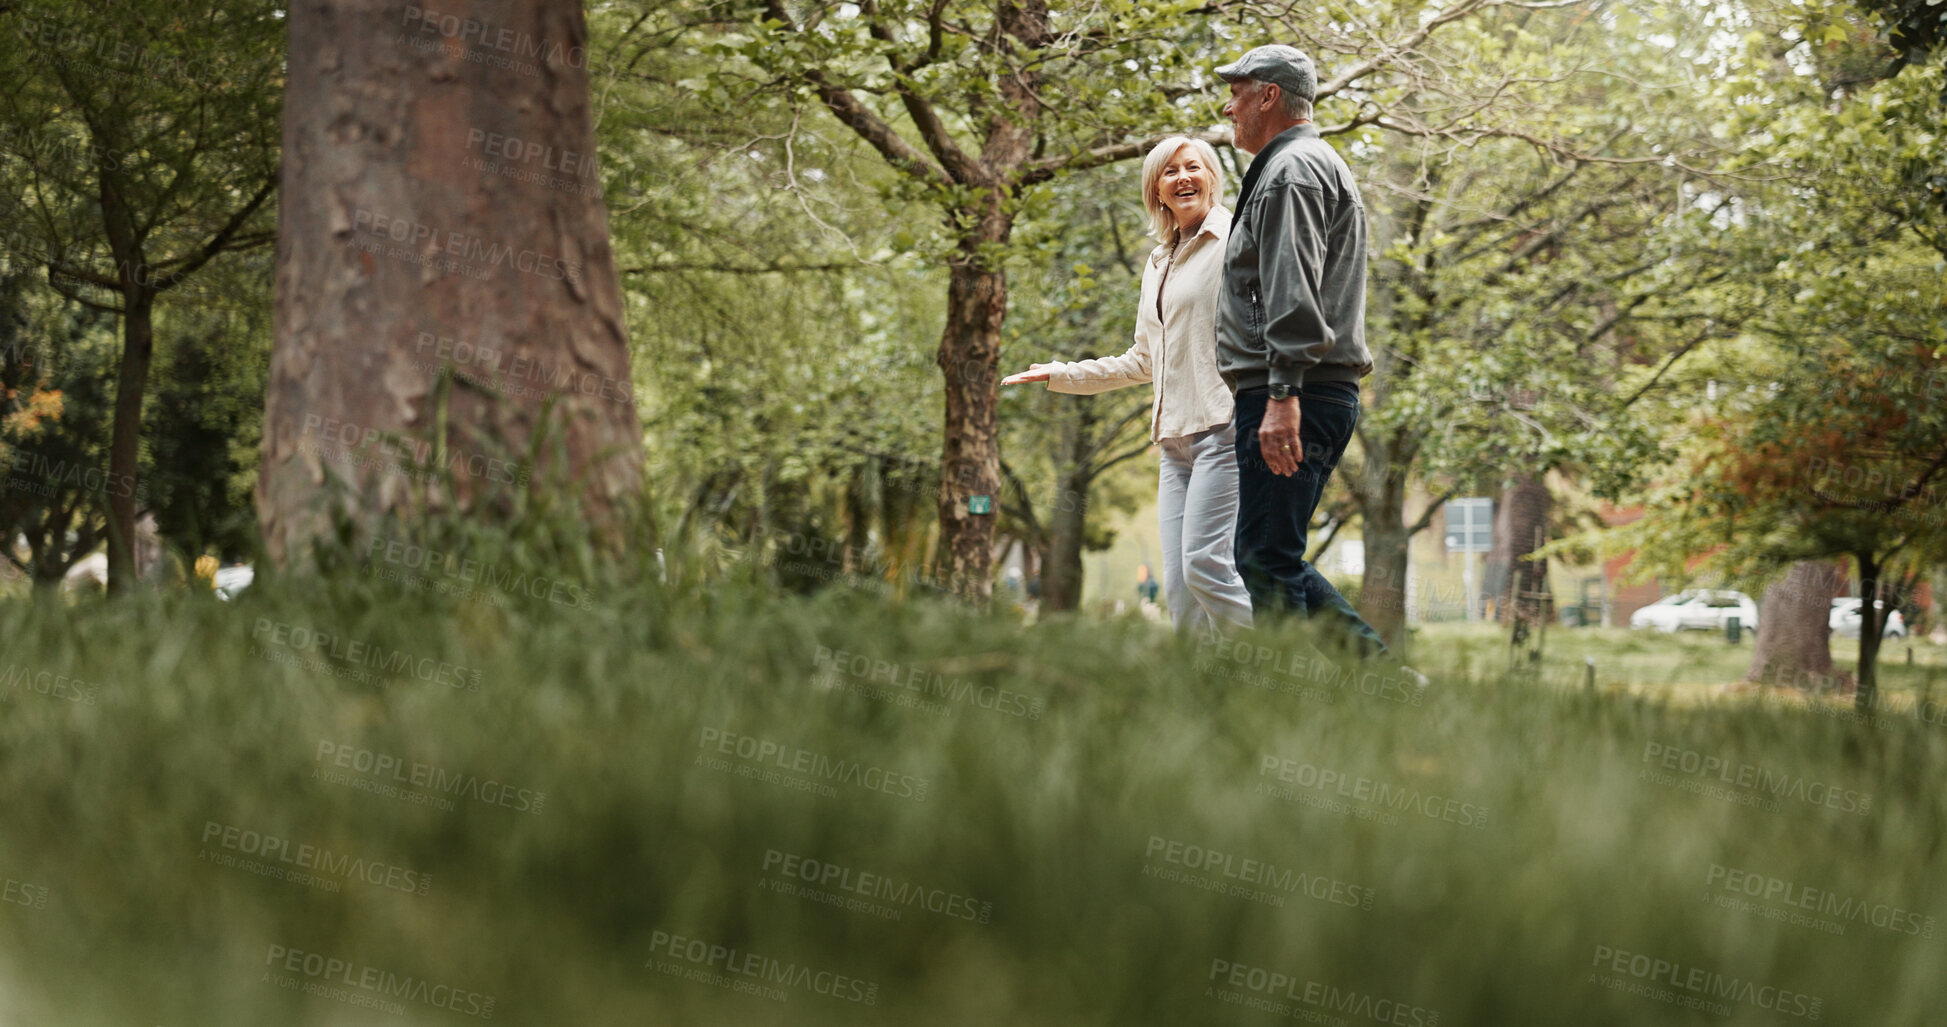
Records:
x=222, y=240
x=1128, y=454
x=1108, y=437
x=1616, y=318
x=1025, y=511
x=81, y=276
x=1426, y=518
x=1108, y=153
x=735, y=269
x=860, y=119
x=1330, y=536
x=1476, y=133
x=931, y=129
x=56, y=277
x=1535, y=197
x=1387, y=52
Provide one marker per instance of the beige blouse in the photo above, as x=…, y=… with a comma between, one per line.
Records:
x=1176, y=339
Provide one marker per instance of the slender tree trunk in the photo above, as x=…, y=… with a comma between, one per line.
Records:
x=858, y=521
x=439, y=213
x=1871, y=622
x=48, y=575
x=50, y=555
x=1793, y=647
x=125, y=437
x=132, y=378
x=969, y=357
x=1061, y=575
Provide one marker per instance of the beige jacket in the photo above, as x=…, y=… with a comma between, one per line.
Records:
x=1176, y=347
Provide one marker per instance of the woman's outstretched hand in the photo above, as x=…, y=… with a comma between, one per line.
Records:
x=1034, y=373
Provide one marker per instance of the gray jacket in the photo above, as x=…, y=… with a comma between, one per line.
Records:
x=1294, y=291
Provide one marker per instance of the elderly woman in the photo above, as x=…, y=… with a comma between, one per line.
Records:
x=1175, y=350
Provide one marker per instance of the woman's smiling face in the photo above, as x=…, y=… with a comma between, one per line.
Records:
x=1188, y=187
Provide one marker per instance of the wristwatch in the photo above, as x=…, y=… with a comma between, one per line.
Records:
x=1282, y=391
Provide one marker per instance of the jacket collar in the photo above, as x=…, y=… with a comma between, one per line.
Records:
x=1256, y=170
x=1216, y=225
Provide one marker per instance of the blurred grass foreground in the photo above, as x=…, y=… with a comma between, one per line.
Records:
x=364, y=804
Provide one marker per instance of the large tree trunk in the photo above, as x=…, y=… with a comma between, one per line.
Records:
x=1520, y=527
x=125, y=437
x=1793, y=646
x=969, y=357
x=439, y=211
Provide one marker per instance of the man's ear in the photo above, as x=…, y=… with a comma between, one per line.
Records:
x=1271, y=92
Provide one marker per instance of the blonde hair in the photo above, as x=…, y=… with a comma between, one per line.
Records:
x=1162, y=220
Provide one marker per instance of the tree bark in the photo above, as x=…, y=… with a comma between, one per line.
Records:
x=1871, y=622
x=51, y=554
x=1793, y=646
x=1520, y=525
x=444, y=276
x=125, y=437
x=48, y=575
x=1077, y=463
x=1379, y=487
x=133, y=275
x=1382, y=589
x=1061, y=572
x=978, y=190
x=969, y=359
x=858, y=522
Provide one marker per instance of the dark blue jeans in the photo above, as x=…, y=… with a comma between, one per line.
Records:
x=1274, y=513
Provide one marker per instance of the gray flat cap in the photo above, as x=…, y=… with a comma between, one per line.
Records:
x=1287, y=66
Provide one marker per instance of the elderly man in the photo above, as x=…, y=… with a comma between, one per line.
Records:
x=1291, y=340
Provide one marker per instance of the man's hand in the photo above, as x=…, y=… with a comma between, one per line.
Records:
x=1277, y=437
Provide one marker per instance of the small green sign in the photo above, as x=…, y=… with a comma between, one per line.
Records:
x=980, y=504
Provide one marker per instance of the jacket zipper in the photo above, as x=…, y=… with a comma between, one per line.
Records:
x=1162, y=336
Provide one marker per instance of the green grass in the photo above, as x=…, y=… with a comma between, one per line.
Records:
x=1046, y=822
x=1683, y=664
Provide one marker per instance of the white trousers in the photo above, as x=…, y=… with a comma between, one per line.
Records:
x=1196, y=500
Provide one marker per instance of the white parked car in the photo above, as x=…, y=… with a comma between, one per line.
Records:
x=90, y=571
x=1846, y=616
x=1703, y=609
x=231, y=580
